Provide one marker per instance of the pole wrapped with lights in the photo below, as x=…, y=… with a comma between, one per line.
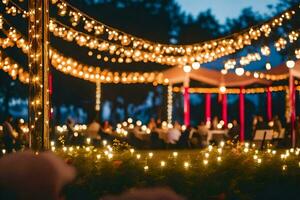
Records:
x=98, y=99
x=38, y=62
x=170, y=104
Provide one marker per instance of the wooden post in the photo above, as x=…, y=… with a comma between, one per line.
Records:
x=38, y=62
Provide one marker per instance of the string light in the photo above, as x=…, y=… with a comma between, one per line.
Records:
x=98, y=96
x=268, y=66
x=239, y=71
x=222, y=89
x=166, y=53
x=218, y=47
x=70, y=66
x=290, y=64
x=170, y=104
x=236, y=90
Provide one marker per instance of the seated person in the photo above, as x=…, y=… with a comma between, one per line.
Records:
x=234, y=132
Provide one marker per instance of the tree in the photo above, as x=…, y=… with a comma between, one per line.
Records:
x=204, y=27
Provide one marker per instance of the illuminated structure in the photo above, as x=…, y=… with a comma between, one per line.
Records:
x=38, y=62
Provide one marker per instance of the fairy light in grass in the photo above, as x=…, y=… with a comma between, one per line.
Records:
x=162, y=163
x=210, y=147
x=131, y=151
x=220, y=150
x=110, y=156
x=146, y=168
x=222, y=144
x=52, y=143
x=246, y=145
x=53, y=148
x=219, y=159
x=88, y=140
x=64, y=149
x=259, y=160
x=3, y=151
x=71, y=149
x=284, y=167
x=246, y=150
x=104, y=142
x=98, y=156
x=274, y=152
x=255, y=157
x=206, y=155
x=205, y=162
x=186, y=165
x=150, y=155
x=175, y=154
x=138, y=156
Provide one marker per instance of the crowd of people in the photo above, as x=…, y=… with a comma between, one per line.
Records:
x=15, y=137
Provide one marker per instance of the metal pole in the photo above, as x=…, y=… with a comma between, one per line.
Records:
x=38, y=62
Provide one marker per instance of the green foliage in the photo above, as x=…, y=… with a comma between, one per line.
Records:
x=237, y=176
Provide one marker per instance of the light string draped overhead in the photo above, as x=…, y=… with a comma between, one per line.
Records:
x=83, y=39
x=72, y=67
x=181, y=54
x=230, y=43
x=265, y=50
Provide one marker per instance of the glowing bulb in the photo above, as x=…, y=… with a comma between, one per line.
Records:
x=222, y=89
x=88, y=140
x=129, y=120
x=162, y=163
x=187, y=68
x=239, y=71
x=268, y=66
x=150, y=154
x=186, y=165
x=146, y=168
x=195, y=65
x=175, y=154
x=205, y=162
x=290, y=64
x=131, y=151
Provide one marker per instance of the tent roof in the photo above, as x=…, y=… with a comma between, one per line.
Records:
x=215, y=78
x=211, y=77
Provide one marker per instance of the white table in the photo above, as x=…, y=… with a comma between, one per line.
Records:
x=216, y=132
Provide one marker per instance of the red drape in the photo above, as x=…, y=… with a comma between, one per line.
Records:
x=269, y=104
x=242, y=115
x=293, y=109
x=224, y=109
x=186, y=107
x=207, y=107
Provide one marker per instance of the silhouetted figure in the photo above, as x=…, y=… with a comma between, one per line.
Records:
x=184, y=138
x=9, y=135
x=234, y=132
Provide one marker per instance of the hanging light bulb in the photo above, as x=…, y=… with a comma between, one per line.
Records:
x=268, y=66
x=195, y=65
x=290, y=64
x=187, y=68
x=224, y=71
x=239, y=71
x=222, y=89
